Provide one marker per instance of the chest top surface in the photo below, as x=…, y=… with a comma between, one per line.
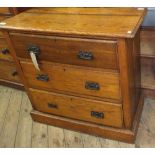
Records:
x=99, y=22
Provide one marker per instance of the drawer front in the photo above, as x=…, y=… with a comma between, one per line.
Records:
x=99, y=112
x=4, y=10
x=73, y=79
x=4, y=50
x=8, y=71
x=83, y=52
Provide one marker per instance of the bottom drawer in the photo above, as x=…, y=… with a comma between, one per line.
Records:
x=99, y=112
x=8, y=71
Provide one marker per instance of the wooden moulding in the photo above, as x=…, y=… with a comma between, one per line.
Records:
x=149, y=93
x=124, y=135
x=12, y=84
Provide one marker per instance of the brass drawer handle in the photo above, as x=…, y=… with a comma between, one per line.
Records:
x=85, y=55
x=42, y=77
x=52, y=105
x=34, y=51
x=5, y=51
x=97, y=114
x=92, y=85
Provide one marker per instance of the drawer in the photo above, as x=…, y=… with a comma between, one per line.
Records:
x=8, y=71
x=99, y=112
x=73, y=79
x=4, y=51
x=83, y=52
x=4, y=10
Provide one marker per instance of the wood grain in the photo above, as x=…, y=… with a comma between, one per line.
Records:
x=147, y=43
x=72, y=79
x=56, y=137
x=106, y=143
x=90, y=141
x=148, y=73
x=73, y=139
x=39, y=135
x=69, y=24
x=124, y=135
x=145, y=137
x=8, y=134
x=4, y=10
x=77, y=108
x=129, y=61
x=5, y=94
x=117, y=86
x=24, y=131
x=66, y=50
x=150, y=93
x=88, y=11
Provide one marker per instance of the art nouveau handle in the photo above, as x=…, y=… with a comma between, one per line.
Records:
x=85, y=55
x=34, y=51
x=5, y=51
x=92, y=85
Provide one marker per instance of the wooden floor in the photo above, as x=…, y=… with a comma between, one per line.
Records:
x=18, y=130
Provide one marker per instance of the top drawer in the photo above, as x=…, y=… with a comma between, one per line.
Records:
x=75, y=51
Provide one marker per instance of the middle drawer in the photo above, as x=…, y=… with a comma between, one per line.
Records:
x=73, y=79
x=74, y=51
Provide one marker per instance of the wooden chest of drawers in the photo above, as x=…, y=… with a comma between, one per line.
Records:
x=81, y=67
x=8, y=73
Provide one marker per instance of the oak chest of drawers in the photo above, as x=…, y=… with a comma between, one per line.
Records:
x=8, y=73
x=81, y=67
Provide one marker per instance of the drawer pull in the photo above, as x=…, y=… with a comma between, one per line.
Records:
x=14, y=72
x=5, y=51
x=97, y=114
x=42, y=77
x=92, y=85
x=52, y=105
x=34, y=51
x=85, y=55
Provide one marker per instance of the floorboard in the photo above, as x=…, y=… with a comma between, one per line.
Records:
x=24, y=131
x=90, y=141
x=39, y=135
x=8, y=133
x=73, y=139
x=56, y=137
x=146, y=132
x=5, y=94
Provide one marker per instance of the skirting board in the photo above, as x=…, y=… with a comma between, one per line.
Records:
x=12, y=84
